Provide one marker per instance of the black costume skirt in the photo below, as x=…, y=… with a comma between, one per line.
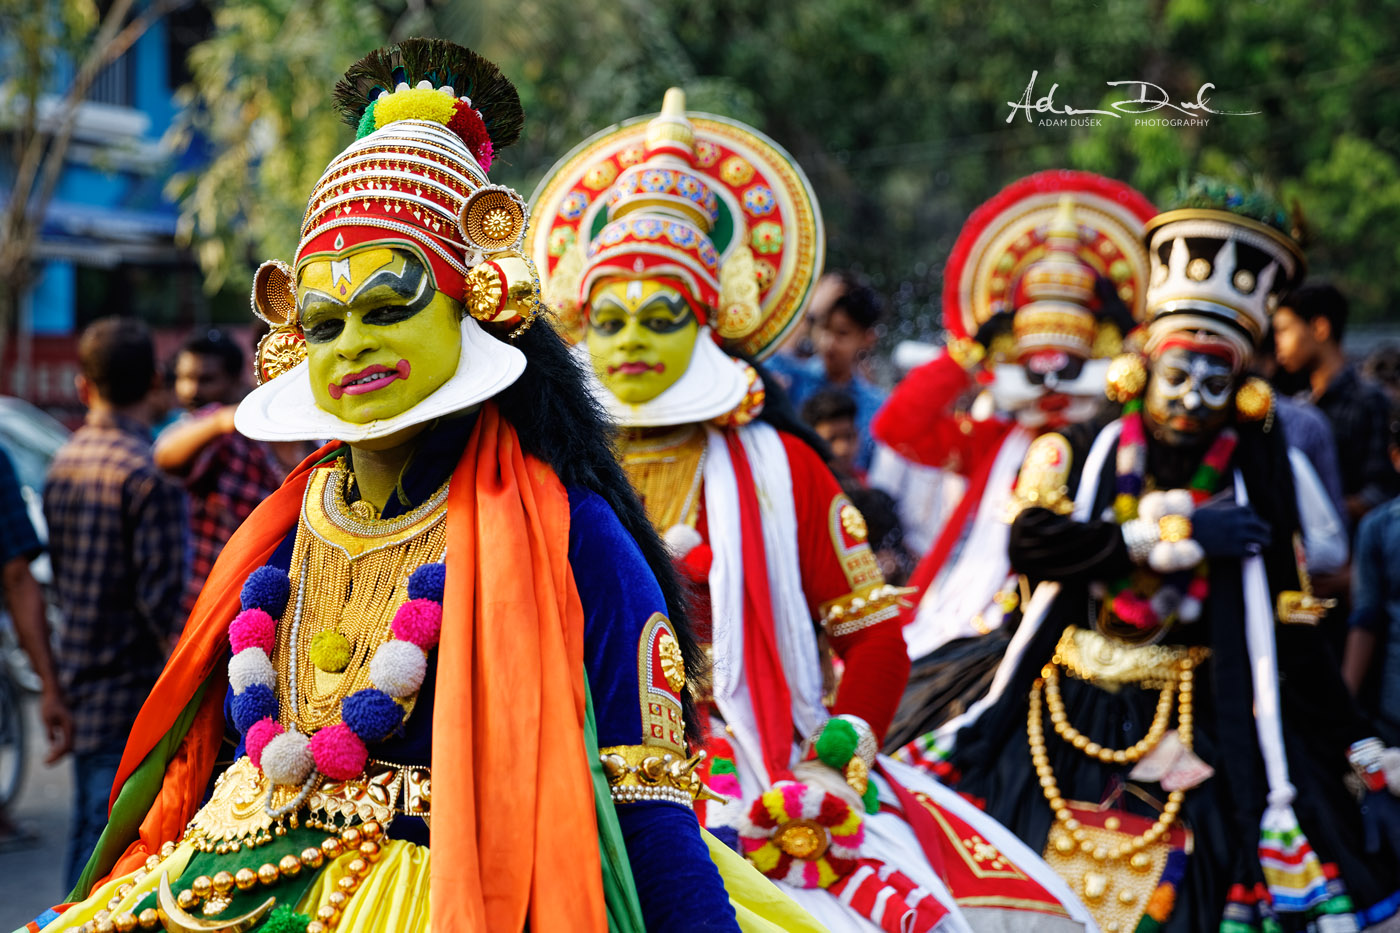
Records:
x=944, y=684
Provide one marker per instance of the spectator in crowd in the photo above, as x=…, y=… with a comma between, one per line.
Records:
x=885, y=533
x=117, y=542
x=1382, y=367
x=225, y=474
x=832, y=414
x=1371, y=664
x=845, y=312
x=25, y=601
x=1308, y=330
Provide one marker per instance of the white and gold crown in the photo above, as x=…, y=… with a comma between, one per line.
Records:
x=1212, y=264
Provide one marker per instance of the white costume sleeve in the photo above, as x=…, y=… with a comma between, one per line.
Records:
x=1324, y=535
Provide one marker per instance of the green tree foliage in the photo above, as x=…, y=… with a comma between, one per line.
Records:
x=897, y=110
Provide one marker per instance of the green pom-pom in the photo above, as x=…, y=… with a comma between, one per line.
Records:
x=330, y=651
x=871, y=798
x=837, y=743
x=366, y=123
x=285, y=920
x=722, y=766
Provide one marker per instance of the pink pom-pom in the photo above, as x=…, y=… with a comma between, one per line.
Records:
x=1198, y=588
x=259, y=734
x=418, y=621
x=339, y=753
x=1134, y=610
x=252, y=628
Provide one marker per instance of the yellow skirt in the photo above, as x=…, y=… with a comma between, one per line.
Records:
x=393, y=897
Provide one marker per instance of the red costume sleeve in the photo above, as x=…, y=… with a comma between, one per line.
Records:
x=837, y=569
x=918, y=421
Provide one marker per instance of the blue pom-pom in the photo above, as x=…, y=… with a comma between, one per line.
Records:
x=727, y=835
x=255, y=702
x=266, y=588
x=371, y=714
x=427, y=582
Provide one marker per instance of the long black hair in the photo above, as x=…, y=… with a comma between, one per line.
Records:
x=558, y=421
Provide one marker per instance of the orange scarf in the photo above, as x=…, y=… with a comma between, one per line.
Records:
x=514, y=832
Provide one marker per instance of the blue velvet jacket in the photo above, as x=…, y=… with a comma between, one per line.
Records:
x=677, y=884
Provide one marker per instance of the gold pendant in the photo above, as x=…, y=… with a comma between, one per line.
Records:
x=236, y=814
x=177, y=920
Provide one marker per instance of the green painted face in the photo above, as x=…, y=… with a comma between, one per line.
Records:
x=379, y=337
x=641, y=335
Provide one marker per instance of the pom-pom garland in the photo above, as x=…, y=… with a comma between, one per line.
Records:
x=252, y=628
x=266, y=588
x=286, y=759
x=1182, y=582
x=371, y=714
x=338, y=752
x=397, y=669
x=255, y=703
x=248, y=667
x=837, y=743
x=257, y=737
x=427, y=582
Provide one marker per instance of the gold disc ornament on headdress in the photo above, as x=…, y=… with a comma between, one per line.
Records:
x=766, y=226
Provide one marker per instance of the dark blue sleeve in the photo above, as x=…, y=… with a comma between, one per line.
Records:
x=17, y=536
x=678, y=886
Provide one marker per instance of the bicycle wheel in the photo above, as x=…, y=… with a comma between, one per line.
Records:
x=13, y=735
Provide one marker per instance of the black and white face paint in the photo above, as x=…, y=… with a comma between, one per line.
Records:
x=1188, y=396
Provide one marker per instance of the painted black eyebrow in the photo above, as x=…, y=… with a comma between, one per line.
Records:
x=676, y=304
x=408, y=283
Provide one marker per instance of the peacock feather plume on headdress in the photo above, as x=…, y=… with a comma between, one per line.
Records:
x=436, y=80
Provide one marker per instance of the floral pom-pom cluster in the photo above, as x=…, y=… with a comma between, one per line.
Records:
x=396, y=670
x=439, y=105
x=803, y=835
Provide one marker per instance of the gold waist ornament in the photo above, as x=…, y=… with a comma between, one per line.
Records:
x=1109, y=663
x=237, y=814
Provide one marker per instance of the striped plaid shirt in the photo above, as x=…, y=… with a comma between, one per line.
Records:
x=117, y=542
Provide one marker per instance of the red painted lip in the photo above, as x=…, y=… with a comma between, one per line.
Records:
x=1055, y=402
x=385, y=374
x=636, y=369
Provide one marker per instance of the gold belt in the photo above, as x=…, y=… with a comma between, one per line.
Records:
x=1106, y=662
x=237, y=812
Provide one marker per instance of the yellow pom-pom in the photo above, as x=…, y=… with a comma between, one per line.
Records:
x=330, y=651
x=1125, y=507
x=413, y=104
x=765, y=857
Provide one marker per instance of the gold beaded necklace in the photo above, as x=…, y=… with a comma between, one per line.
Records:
x=667, y=472
x=349, y=574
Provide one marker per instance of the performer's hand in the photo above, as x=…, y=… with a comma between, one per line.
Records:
x=1380, y=818
x=1232, y=531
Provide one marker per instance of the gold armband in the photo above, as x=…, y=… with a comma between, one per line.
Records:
x=862, y=609
x=1043, y=478
x=966, y=352
x=643, y=772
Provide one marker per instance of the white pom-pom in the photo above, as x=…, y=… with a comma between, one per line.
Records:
x=1171, y=556
x=1190, y=609
x=449, y=90
x=401, y=86
x=287, y=759
x=1152, y=506
x=398, y=668
x=424, y=85
x=1178, y=502
x=680, y=540
x=250, y=666
x=382, y=95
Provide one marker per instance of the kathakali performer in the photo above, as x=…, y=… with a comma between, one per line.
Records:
x=451, y=651
x=675, y=248
x=1043, y=285
x=1174, y=731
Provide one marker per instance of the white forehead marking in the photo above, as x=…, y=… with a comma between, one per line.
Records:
x=340, y=269
x=634, y=290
